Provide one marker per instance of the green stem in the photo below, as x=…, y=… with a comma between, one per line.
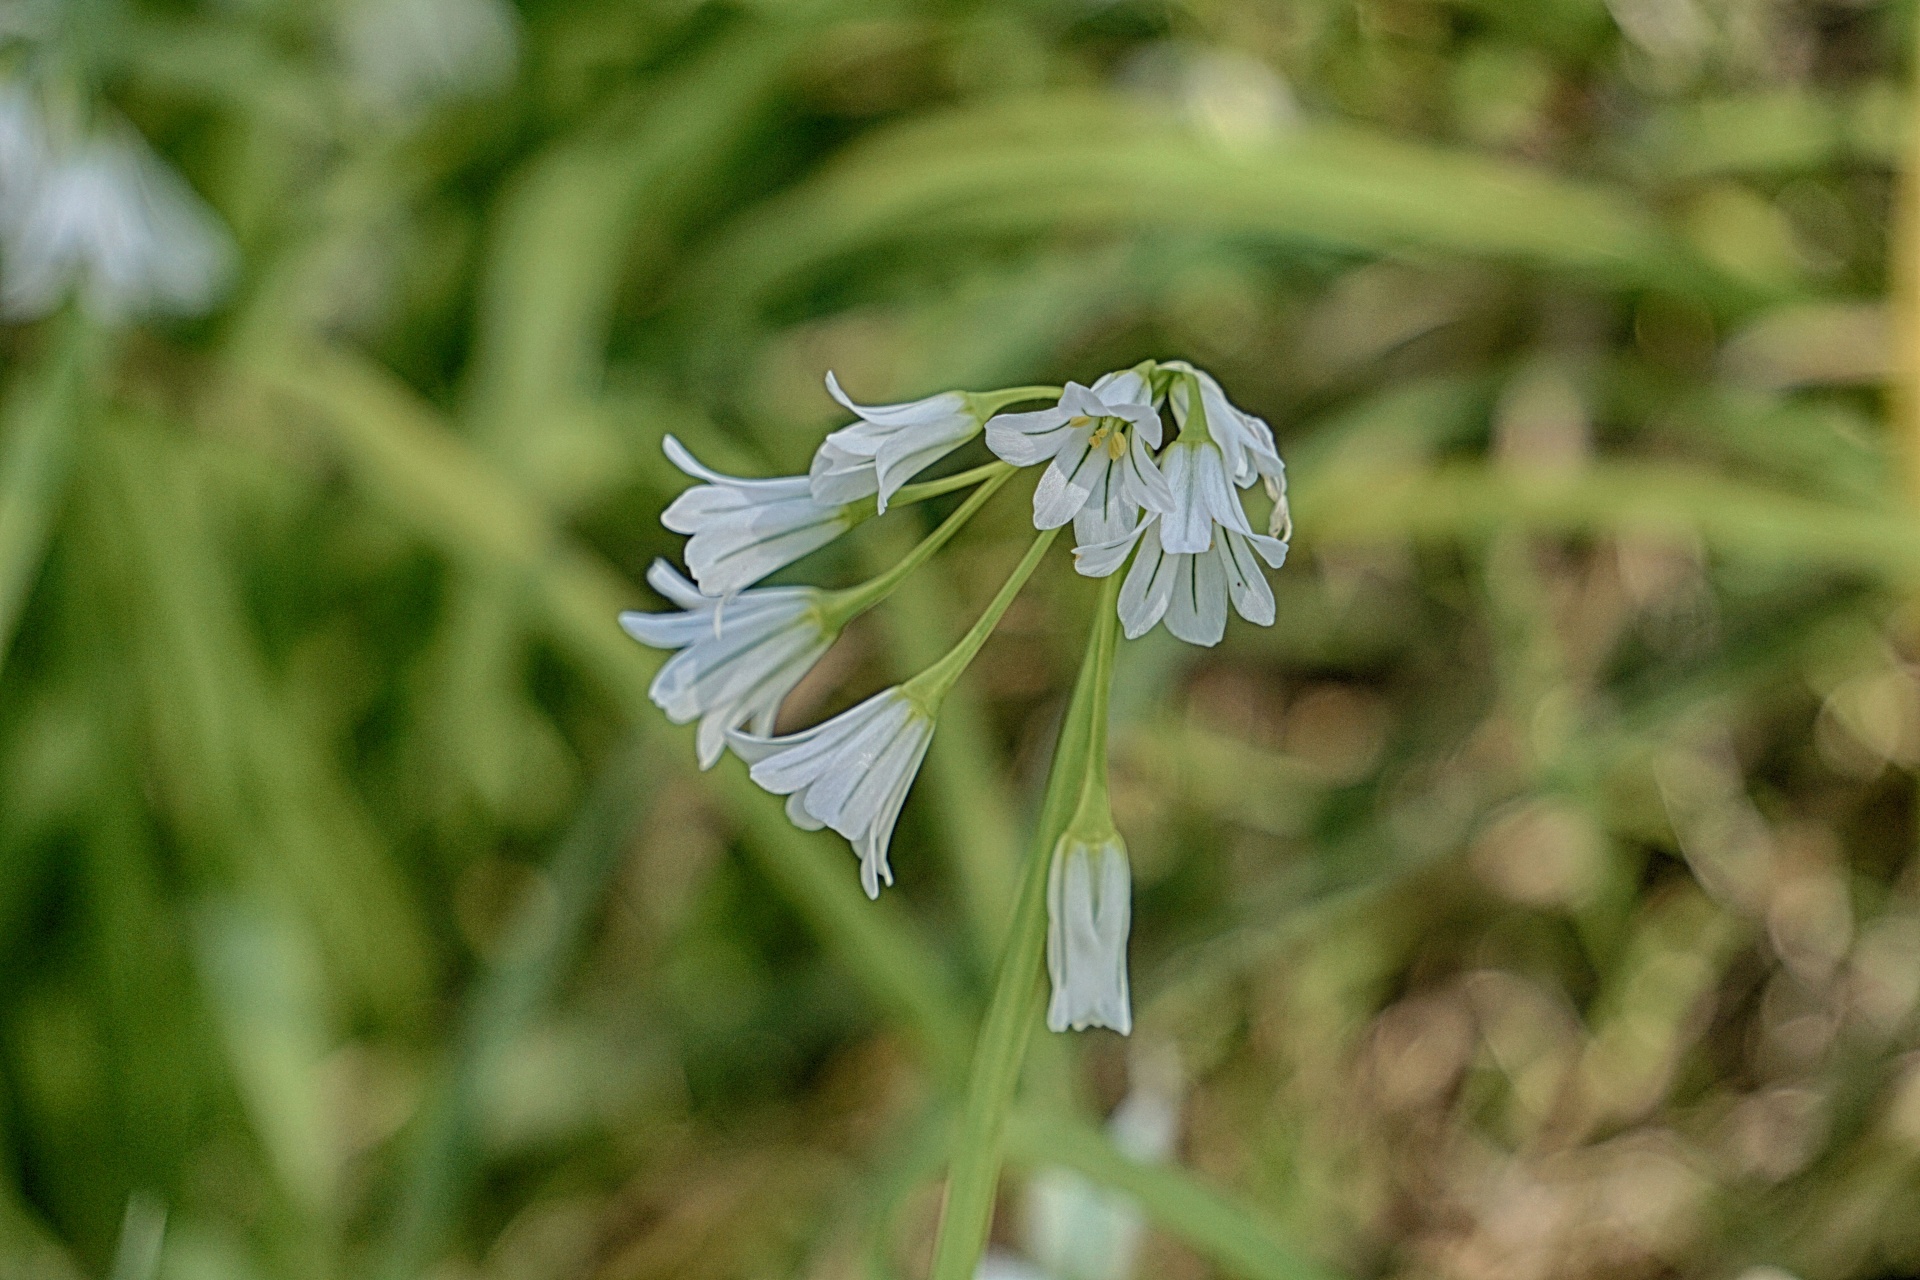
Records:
x=931, y=685
x=1016, y=1002
x=912, y=493
x=842, y=607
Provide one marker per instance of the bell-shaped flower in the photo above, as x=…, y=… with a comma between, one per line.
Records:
x=1189, y=590
x=1089, y=910
x=743, y=530
x=851, y=773
x=734, y=666
x=1245, y=441
x=889, y=445
x=115, y=222
x=1099, y=440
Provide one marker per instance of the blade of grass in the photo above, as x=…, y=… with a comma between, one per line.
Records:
x=1035, y=163
x=36, y=459
x=434, y=484
x=1226, y=1233
x=501, y=1006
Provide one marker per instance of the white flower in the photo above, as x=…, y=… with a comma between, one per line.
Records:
x=1079, y=1230
x=114, y=220
x=889, y=445
x=1099, y=439
x=1089, y=910
x=732, y=669
x=405, y=55
x=1200, y=551
x=1246, y=441
x=1189, y=591
x=850, y=773
x=743, y=530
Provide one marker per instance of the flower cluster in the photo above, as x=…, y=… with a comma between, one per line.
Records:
x=97, y=213
x=1161, y=499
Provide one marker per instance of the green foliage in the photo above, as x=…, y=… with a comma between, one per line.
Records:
x=1537, y=898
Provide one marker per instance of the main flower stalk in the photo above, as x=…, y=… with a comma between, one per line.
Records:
x=1016, y=1002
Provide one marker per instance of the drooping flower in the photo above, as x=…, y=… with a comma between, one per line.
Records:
x=115, y=222
x=742, y=530
x=889, y=445
x=1089, y=911
x=850, y=773
x=734, y=667
x=1099, y=440
x=1189, y=591
x=1246, y=440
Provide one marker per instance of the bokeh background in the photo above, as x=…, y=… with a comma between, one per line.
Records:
x=1536, y=899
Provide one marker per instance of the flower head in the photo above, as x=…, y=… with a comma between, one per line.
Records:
x=1189, y=590
x=1099, y=440
x=734, y=668
x=889, y=445
x=1089, y=910
x=112, y=218
x=851, y=773
x=743, y=530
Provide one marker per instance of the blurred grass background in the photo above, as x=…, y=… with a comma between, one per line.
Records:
x=1537, y=899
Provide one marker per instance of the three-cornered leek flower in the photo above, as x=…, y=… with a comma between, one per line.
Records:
x=1098, y=442
x=110, y=219
x=1089, y=911
x=742, y=530
x=889, y=444
x=1191, y=559
x=851, y=773
x=734, y=666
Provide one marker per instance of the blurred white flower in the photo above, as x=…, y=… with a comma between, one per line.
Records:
x=851, y=773
x=735, y=667
x=742, y=530
x=1077, y=1230
x=1089, y=911
x=889, y=445
x=113, y=221
x=1099, y=439
x=406, y=55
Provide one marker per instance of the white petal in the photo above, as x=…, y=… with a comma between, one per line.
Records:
x=907, y=454
x=1188, y=527
x=1026, y=438
x=777, y=487
x=907, y=413
x=1145, y=595
x=1063, y=488
x=1197, y=606
x=1246, y=584
x=839, y=475
x=1145, y=484
x=1098, y=559
x=1089, y=910
x=1217, y=493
